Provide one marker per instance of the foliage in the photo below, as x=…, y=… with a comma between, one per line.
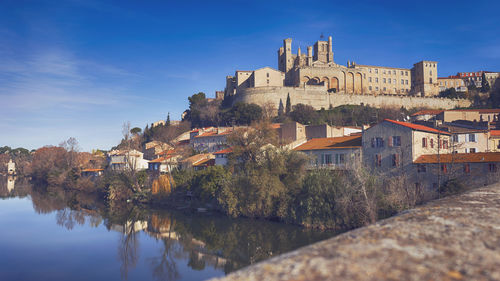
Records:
x=451, y=93
x=485, y=85
x=347, y=115
x=288, y=108
x=135, y=131
x=163, y=185
x=304, y=114
x=451, y=186
x=242, y=114
x=281, y=108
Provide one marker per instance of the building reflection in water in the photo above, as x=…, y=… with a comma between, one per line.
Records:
x=11, y=180
x=203, y=241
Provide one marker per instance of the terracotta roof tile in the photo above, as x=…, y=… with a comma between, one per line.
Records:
x=331, y=143
x=478, y=157
x=205, y=162
x=92, y=170
x=225, y=151
x=427, y=112
x=417, y=127
x=495, y=133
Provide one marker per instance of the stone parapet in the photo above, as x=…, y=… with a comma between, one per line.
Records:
x=318, y=97
x=455, y=238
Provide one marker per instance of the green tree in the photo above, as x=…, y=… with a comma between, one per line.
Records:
x=288, y=104
x=485, y=86
x=281, y=109
x=135, y=131
x=167, y=123
x=243, y=114
x=304, y=114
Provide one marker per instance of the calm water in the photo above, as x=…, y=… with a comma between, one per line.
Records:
x=50, y=234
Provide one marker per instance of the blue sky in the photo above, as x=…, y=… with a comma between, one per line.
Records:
x=81, y=68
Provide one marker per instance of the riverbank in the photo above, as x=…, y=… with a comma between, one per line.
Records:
x=454, y=238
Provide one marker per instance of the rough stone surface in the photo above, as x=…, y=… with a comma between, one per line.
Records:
x=455, y=238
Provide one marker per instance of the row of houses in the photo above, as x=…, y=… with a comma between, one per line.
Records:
x=426, y=155
x=434, y=146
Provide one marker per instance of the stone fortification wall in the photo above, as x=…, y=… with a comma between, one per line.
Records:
x=319, y=97
x=456, y=238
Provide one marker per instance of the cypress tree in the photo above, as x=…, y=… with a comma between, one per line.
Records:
x=485, y=86
x=167, y=123
x=281, y=109
x=288, y=104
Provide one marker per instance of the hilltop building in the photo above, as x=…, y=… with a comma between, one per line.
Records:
x=314, y=78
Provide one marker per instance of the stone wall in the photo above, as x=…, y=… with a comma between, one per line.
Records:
x=318, y=97
x=456, y=238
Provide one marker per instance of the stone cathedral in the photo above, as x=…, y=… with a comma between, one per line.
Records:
x=314, y=78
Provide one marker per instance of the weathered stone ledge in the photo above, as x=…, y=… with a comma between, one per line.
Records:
x=455, y=238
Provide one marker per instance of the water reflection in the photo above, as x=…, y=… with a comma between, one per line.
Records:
x=202, y=243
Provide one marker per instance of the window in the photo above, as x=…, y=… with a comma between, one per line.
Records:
x=383, y=80
x=395, y=160
x=370, y=88
x=369, y=79
x=424, y=142
x=472, y=137
x=376, y=88
x=472, y=150
x=370, y=70
x=268, y=75
x=385, y=89
x=430, y=72
x=402, y=81
x=406, y=82
x=430, y=80
x=445, y=144
x=406, y=73
x=421, y=168
x=364, y=75
x=377, y=142
x=376, y=70
x=455, y=138
x=467, y=168
x=383, y=71
x=444, y=168
x=378, y=160
x=394, y=72
x=492, y=167
x=376, y=79
x=432, y=143
x=401, y=72
x=395, y=141
x=341, y=158
x=326, y=159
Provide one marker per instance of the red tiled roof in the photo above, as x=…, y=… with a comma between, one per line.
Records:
x=213, y=133
x=205, y=162
x=331, y=143
x=92, y=170
x=427, y=112
x=480, y=110
x=417, y=127
x=276, y=125
x=495, y=133
x=478, y=157
x=225, y=151
x=161, y=159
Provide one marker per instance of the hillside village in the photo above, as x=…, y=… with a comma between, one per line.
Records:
x=434, y=146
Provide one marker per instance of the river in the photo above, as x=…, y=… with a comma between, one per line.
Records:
x=53, y=234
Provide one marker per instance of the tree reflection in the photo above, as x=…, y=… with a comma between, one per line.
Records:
x=164, y=267
x=199, y=241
